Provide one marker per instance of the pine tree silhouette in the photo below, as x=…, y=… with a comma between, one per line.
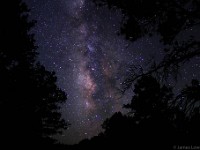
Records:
x=29, y=96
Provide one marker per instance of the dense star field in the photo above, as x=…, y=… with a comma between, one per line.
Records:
x=79, y=41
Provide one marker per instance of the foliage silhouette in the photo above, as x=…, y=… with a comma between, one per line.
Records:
x=189, y=98
x=189, y=103
x=29, y=98
x=150, y=118
x=167, y=19
x=161, y=16
x=149, y=97
x=156, y=120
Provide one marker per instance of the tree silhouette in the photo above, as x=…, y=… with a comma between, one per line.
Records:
x=189, y=103
x=29, y=97
x=156, y=119
x=161, y=16
x=167, y=19
x=149, y=97
x=189, y=98
x=151, y=112
x=148, y=125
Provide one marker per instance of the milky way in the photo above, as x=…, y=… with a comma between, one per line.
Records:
x=94, y=62
x=79, y=42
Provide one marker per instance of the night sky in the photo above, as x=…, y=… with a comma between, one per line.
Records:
x=79, y=42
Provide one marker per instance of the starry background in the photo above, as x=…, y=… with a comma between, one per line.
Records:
x=79, y=42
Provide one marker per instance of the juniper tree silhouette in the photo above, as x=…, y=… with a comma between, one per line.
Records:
x=29, y=97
